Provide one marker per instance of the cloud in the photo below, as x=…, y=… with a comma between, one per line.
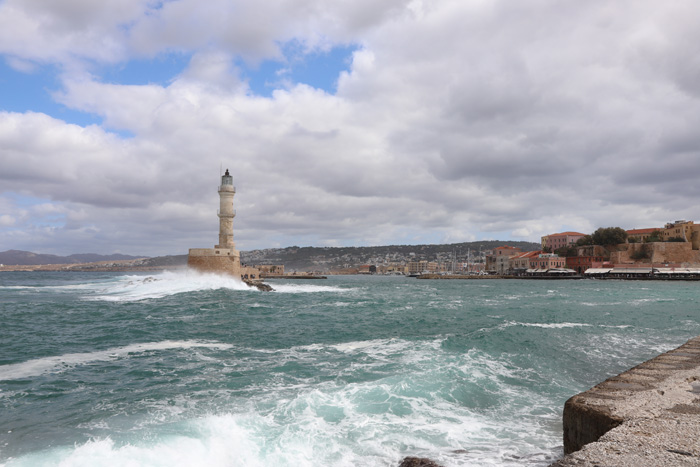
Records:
x=457, y=120
x=7, y=221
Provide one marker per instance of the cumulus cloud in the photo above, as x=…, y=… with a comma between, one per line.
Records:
x=457, y=120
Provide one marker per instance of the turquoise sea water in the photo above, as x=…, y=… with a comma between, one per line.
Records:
x=181, y=369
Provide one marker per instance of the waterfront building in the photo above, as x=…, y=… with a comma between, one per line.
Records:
x=520, y=263
x=273, y=269
x=582, y=263
x=560, y=240
x=546, y=261
x=420, y=267
x=500, y=257
x=367, y=269
x=686, y=230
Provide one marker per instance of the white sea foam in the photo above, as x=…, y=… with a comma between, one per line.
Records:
x=373, y=423
x=135, y=288
x=548, y=325
x=640, y=301
x=63, y=362
x=382, y=346
x=307, y=288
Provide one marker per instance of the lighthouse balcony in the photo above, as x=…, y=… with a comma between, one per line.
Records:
x=229, y=188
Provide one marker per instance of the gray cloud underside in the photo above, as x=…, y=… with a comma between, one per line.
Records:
x=457, y=120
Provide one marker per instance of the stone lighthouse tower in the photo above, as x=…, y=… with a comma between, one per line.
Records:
x=223, y=258
x=226, y=211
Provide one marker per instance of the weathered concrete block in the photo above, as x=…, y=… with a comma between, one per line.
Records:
x=646, y=416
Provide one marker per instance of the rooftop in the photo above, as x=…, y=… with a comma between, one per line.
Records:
x=566, y=233
x=641, y=231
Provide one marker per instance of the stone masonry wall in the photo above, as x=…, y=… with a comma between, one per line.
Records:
x=660, y=252
x=215, y=264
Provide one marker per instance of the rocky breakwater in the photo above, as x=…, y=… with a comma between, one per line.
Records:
x=646, y=416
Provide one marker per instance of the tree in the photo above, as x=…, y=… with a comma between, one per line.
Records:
x=609, y=236
x=566, y=251
x=585, y=240
x=676, y=239
x=656, y=236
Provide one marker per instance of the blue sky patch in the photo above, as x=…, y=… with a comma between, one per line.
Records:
x=317, y=69
x=159, y=71
x=31, y=92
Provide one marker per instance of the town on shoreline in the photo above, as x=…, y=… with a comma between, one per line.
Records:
x=672, y=251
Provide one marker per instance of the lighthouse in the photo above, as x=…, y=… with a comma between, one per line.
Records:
x=226, y=212
x=223, y=258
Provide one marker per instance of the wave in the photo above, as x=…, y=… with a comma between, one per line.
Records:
x=458, y=409
x=548, y=325
x=135, y=288
x=130, y=288
x=64, y=362
x=306, y=288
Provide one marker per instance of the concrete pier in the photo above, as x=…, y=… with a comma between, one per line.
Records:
x=647, y=416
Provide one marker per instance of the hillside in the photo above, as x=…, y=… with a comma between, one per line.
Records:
x=325, y=259
x=293, y=258
x=27, y=258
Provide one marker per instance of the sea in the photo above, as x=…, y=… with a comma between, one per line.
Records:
x=184, y=369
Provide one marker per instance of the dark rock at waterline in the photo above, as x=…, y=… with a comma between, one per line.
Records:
x=259, y=285
x=418, y=462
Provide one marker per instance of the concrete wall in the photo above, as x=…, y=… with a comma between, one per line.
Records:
x=660, y=252
x=646, y=416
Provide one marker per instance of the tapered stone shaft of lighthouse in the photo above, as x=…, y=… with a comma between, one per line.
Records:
x=226, y=212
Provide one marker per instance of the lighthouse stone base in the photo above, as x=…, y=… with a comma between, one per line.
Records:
x=221, y=261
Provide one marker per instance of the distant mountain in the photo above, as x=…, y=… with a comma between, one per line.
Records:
x=165, y=261
x=27, y=258
x=93, y=258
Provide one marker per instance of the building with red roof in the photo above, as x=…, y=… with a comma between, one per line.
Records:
x=640, y=235
x=559, y=240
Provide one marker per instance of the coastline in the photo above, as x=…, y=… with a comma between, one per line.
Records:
x=554, y=278
x=469, y=277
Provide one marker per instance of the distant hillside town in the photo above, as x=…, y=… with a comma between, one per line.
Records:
x=672, y=250
x=392, y=259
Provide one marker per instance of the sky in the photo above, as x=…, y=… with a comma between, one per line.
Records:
x=343, y=123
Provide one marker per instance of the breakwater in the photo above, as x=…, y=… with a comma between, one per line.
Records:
x=647, y=416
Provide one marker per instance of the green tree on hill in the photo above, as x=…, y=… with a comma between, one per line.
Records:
x=609, y=236
x=584, y=241
x=656, y=236
x=566, y=251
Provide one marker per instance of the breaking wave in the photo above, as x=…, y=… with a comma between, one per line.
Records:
x=59, y=363
x=134, y=288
